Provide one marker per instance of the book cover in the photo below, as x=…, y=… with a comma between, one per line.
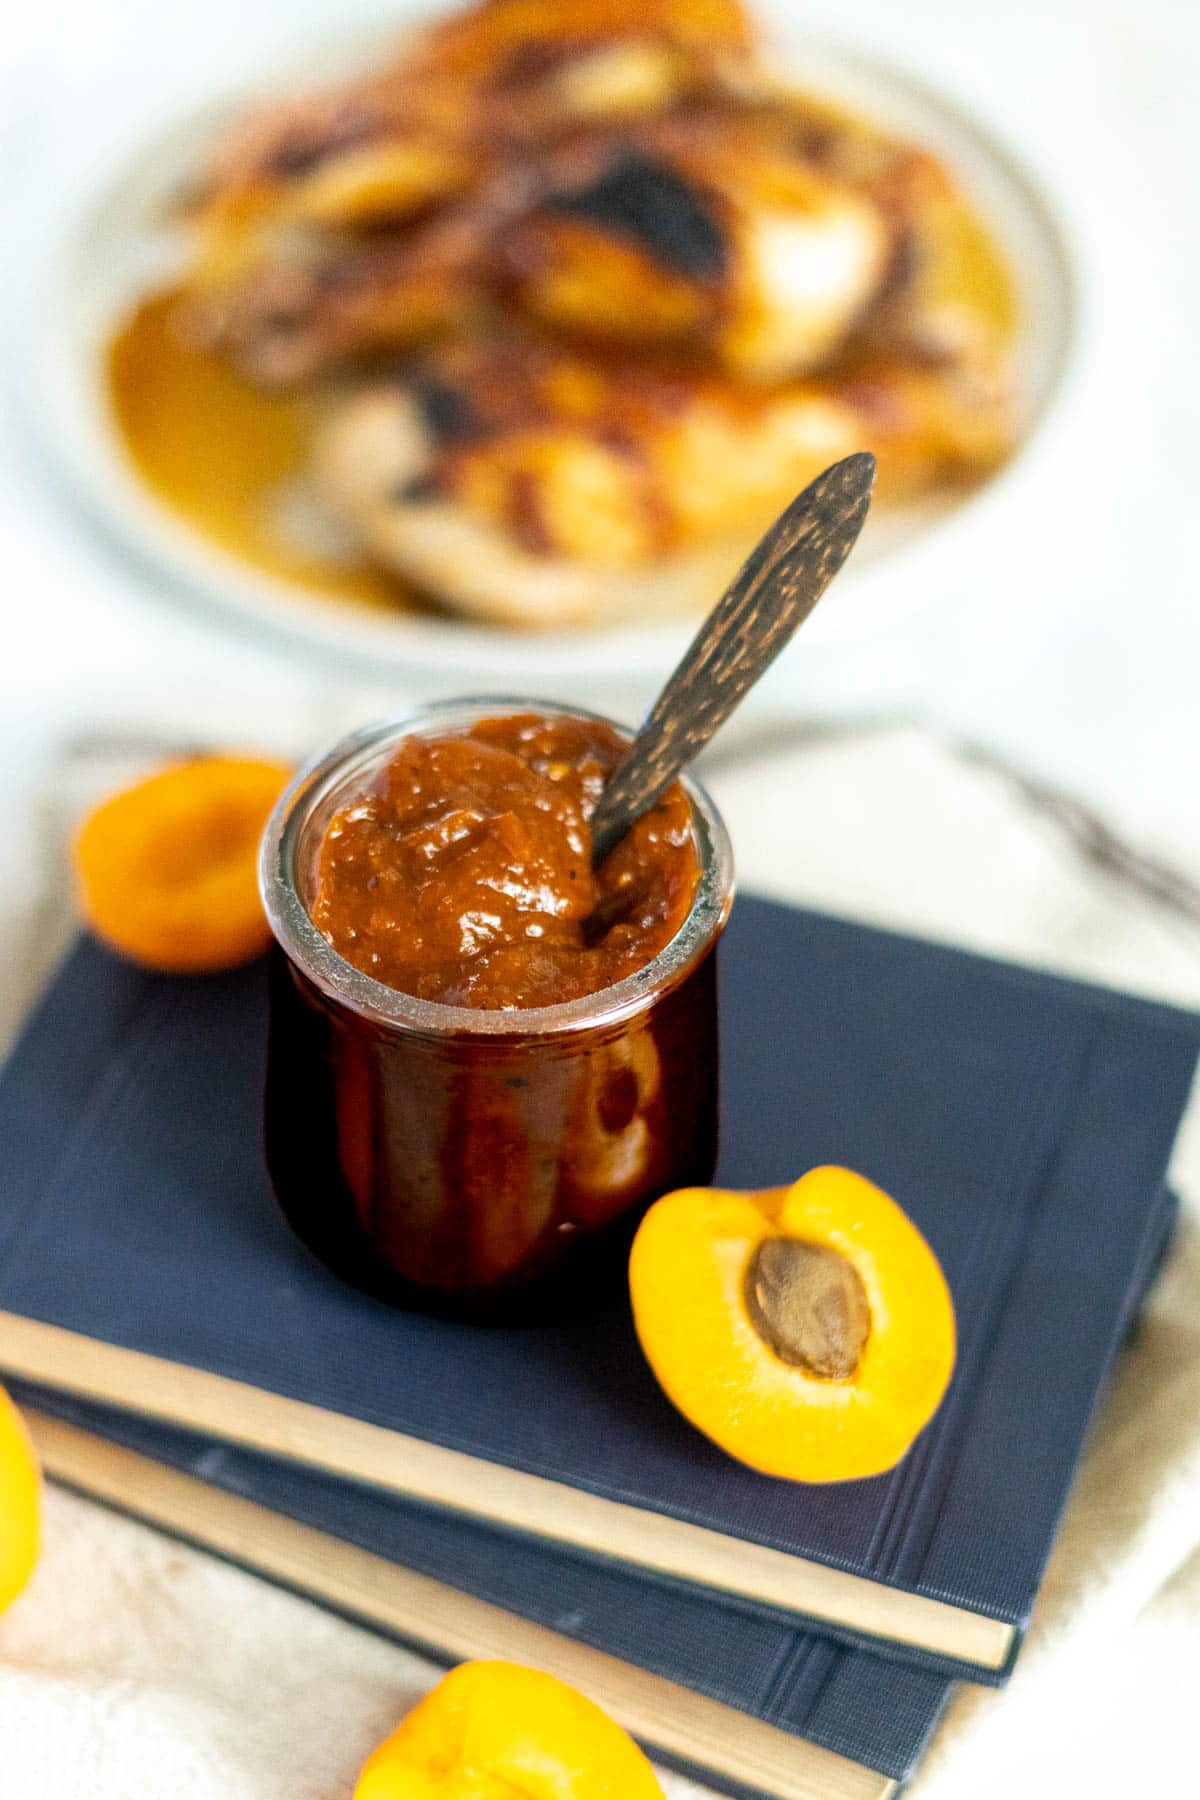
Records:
x=747, y=1702
x=712, y=1667
x=1024, y=1122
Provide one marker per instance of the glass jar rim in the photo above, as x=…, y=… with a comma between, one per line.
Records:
x=311, y=952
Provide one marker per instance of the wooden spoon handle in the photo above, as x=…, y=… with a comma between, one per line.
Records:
x=772, y=594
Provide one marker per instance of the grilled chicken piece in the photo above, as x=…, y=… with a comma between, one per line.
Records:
x=747, y=262
x=526, y=487
x=295, y=302
x=753, y=286
x=531, y=67
x=290, y=214
x=503, y=74
x=947, y=292
x=700, y=231
x=515, y=148
x=696, y=232
x=341, y=156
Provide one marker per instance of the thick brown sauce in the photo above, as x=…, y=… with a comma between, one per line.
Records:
x=463, y=874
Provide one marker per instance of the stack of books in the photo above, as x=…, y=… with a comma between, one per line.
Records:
x=531, y=1493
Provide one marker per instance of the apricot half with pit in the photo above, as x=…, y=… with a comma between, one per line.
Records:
x=500, y=1731
x=807, y=1330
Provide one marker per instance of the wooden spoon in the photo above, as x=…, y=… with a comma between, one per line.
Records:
x=769, y=598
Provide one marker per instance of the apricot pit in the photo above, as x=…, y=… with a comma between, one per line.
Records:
x=808, y=1304
x=808, y=1331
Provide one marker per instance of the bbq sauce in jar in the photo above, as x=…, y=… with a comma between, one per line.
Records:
x=485, y=1059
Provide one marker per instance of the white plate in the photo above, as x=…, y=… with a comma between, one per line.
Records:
x=116, y=247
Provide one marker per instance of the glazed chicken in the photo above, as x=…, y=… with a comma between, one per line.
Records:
x=501, y=74
x=699, y=231
x=589, y=298
x=692, y=235
x=600, y=167
x=366, y=213
x=526, y=484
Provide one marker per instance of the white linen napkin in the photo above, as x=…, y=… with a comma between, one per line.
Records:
x=134, y=1666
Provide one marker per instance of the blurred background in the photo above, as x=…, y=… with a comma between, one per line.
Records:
x=1054, y=621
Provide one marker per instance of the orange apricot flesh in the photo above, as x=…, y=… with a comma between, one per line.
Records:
x=499, y=1731
x=168, y=869
x=692, y=1277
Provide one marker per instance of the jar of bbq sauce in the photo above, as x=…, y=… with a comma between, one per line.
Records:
x=483, y=1063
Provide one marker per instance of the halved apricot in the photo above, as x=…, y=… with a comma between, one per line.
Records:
x=499, y=1731
x=20, y=1503
x=168, y=868
x=807, y=1330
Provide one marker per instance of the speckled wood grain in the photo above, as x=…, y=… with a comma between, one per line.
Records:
x=770, y=597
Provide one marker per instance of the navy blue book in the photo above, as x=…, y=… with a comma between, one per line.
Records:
x=1024, y=1122
x=830, y=1720
x=748, y=1702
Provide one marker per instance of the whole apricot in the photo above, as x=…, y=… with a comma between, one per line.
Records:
x=499, y=1731
x=20, y=1503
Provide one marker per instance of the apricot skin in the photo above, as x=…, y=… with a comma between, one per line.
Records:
x=168, y=869
x=499, y=1731
x=20, y=1503
x=687, y=1285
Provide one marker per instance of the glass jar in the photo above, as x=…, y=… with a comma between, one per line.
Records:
x=490, y=1164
